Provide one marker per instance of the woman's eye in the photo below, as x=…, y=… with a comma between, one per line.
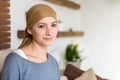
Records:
x=42, y=26
x=54, y=25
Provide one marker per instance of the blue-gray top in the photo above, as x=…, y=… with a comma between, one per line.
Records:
x=17, y=68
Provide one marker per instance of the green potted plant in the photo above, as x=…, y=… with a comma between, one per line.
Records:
x=72, y=55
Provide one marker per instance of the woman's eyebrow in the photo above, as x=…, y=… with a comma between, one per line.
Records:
x=41, y=23
x=45, y=23
x=54, y=22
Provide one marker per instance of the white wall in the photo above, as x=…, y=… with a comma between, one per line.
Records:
x=99, y=19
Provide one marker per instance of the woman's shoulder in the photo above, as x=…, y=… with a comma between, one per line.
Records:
x=52, y=58
x=11, y=57
x=14, y=54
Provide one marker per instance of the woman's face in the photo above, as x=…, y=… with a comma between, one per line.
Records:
x=44, y=31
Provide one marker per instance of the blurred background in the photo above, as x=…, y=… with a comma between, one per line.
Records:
x=99, y=20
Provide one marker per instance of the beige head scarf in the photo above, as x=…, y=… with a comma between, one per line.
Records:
x=36, y=13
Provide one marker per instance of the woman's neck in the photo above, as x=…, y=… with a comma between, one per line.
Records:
x=35, y=53
x=38, y=48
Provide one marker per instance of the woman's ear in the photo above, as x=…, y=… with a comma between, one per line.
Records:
x=29, y=31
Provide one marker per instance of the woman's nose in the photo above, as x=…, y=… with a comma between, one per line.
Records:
x=48, y=31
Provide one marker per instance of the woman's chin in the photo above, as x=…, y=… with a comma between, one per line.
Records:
x=49, y=43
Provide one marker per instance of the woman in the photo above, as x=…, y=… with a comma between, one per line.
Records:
x=31, y=60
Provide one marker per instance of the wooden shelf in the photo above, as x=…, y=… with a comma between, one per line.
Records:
x=70, y=34
x=20, y=34
x=66, y=3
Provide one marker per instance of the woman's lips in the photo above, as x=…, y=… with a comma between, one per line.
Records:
x=48, y=38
